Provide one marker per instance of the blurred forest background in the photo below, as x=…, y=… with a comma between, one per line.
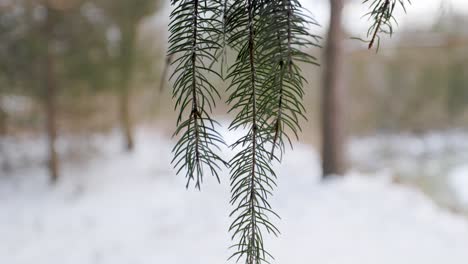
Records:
x=75, y=68
x=85, y=98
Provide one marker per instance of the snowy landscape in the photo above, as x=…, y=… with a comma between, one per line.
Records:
x=109, y=109
x=132, y=208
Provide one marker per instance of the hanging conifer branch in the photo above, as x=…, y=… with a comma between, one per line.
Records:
x=382, y=18
x=284, y=98
x=265, y=97
x=191, y=42
x=279, y=78
x=252, y=178
x=265, y=93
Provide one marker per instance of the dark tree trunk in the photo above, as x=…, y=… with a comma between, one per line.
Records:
x=127, y=51
x=163, y=80
x=3, y=121
x=51, y=121
x=333, y=123
x=50, y=86
x=125, y=118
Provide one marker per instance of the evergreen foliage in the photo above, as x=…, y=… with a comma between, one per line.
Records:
x=381, y=14
x=265, y=94
x=194, y=26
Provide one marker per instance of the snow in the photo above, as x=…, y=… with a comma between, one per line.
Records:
x=402, y=149
x=130, y=208
x=459, y=183
x=428, y=160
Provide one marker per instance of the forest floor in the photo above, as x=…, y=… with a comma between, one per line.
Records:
x=130, y=208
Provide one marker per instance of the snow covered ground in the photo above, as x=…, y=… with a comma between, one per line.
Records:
x=436, y=162
x=459, y=184
x=131, y=208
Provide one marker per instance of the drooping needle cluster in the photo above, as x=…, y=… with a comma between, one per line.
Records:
x=382, y=16
x=269, y=39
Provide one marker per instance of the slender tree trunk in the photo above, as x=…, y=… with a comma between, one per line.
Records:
x=51, y=122
x=167, y=64
x=333, y=123
x=3, y=120
x=50, y=84
x=127, y=50
x=125, y=118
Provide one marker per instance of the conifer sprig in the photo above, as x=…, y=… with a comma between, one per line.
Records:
x=285, y=95
x=382, y=17
x=252, y=178
x=194, y=25
x=266, y=93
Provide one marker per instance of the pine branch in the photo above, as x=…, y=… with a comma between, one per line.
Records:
x=253, y=256
x=381, y=14
x=286, y=81
x=191, y=42
x=265, y=93
x=252, y=178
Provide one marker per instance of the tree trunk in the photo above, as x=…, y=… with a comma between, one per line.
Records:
x=125, y=118
x=127, y=50
x=50, y=84
x=333, y=121
x=3, y=120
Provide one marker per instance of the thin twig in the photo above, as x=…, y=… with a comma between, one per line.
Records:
x=377, y=28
